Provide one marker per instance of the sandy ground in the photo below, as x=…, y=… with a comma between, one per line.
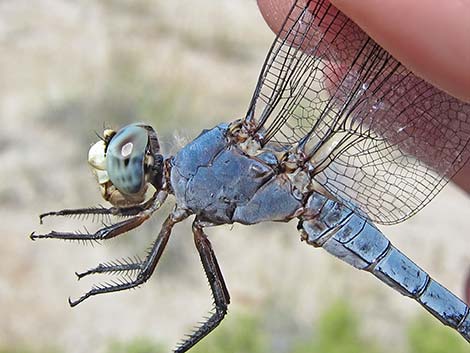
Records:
x=68, y=68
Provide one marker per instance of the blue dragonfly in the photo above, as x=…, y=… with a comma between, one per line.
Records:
x=338, y=135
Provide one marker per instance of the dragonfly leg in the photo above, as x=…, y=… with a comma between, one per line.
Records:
x=107, y=232
x=126, y=266
x=145, y=268
x=141, y=214
x=103, y=211
x=219, y=290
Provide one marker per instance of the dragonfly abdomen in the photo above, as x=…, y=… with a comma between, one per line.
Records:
x=341, y=232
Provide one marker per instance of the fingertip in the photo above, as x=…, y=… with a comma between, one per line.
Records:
x=432, y=39
x=274, y=12
x=462, y=178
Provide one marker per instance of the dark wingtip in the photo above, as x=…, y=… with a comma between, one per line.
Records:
x=32, y=236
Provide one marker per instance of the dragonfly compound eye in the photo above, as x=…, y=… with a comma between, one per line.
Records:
x=125, y=158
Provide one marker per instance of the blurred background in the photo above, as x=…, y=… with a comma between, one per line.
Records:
x=68, y=69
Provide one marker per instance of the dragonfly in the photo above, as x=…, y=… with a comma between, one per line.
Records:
x=338, y=136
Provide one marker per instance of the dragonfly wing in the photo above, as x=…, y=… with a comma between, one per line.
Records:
x=379, y=138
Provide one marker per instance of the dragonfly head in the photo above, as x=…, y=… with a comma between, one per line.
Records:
x=125, y=162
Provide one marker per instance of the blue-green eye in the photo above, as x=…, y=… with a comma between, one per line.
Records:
x=125, y=159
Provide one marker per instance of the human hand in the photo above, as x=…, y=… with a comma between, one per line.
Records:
x=431, y=38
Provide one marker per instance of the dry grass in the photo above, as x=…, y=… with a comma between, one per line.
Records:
x=68, y=68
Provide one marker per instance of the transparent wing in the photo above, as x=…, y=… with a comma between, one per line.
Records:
x=378, y=138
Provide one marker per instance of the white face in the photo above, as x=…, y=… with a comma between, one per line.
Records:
x=119, y=165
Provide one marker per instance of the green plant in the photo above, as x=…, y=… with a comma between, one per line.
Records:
x=426, y=335
x=337, y=332
x=240, y=334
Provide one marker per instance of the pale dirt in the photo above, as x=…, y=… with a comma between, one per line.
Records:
x=65, y=69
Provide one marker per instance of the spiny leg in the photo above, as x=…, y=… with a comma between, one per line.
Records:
x=220, y=293
x=99, y=211
x=95, y=211
x=125, y=266
x=143, y=212
x=106, y=232
x=146, y=268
